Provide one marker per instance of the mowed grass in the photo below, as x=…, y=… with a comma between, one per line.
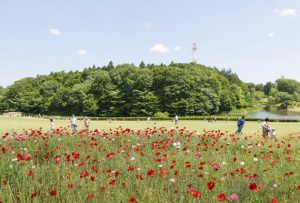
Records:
x=19, y=124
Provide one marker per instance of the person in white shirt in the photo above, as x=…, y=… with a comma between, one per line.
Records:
x=73, y=123
x=148, y=120
x=273, y=134
x=52, y=124
x=87, y=124
x=176, y=120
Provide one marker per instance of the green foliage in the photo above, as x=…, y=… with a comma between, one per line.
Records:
x=267, y=88
x=127, y=90
x=288, y=86
x=161, y=115
x=3, y=102
x=284, y=93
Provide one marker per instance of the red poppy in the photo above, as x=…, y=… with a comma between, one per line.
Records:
x=112, y=182
x=91, y=196
x=130, y=168
x=221, y=197
x=274, y=200
x=57, y=160
x=4, y=182
x=25, y=157
x=30, y=173
x=211, y=185
x=84, y=174
x=53, y=192
x=253, y=176
x=132, y=199
x=139, y=176
x=110, y=156
x=116, y=173
x=298, y=188
x=164, y=171
x=151, y=172
x=76, y=155
x=253, y=187
x=94, y=168
x=92, y=178
x=216, y=166
x=195, y=193
x=33, y=194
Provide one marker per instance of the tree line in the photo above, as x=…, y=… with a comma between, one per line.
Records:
x=144, y=90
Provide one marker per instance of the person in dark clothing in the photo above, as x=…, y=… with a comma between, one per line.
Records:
x=240, y=125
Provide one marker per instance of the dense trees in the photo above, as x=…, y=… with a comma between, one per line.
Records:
x=127, y=90
x=284, y=93
x=3, y=103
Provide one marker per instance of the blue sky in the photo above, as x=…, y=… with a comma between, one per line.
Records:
x=259, y=40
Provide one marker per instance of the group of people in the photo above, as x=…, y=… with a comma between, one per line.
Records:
x=86, y=123
x=267, y=129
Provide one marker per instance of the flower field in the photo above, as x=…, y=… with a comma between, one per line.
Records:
x=150, y=165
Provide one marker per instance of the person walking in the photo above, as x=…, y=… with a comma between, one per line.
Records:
x=240, y=125
x=176, y=120
x=148, y=120
x=52, y=125
x=87, y=124
x=266, y=128
x=73, y=123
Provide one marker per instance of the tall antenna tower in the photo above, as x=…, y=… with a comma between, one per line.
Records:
x=194, y=53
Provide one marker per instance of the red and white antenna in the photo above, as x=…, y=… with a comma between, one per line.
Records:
x=194, y=53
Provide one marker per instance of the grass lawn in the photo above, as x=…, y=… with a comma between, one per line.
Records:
x=10, y=124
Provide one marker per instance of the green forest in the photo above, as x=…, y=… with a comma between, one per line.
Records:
x=144, y=90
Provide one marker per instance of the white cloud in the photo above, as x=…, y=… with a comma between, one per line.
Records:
x=55, y=32
x=177, y=48
x=82, y=52
x=271, y=34
x=286, y=12
x=159, y=48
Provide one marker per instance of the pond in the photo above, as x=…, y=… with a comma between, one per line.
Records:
x=274, y=114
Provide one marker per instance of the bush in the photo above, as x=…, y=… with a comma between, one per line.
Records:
x=161, y=115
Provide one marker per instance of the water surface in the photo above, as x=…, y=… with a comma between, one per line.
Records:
x=274, y=114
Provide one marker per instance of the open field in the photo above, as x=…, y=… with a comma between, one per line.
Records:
x=151, y=165
x=17, y=124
